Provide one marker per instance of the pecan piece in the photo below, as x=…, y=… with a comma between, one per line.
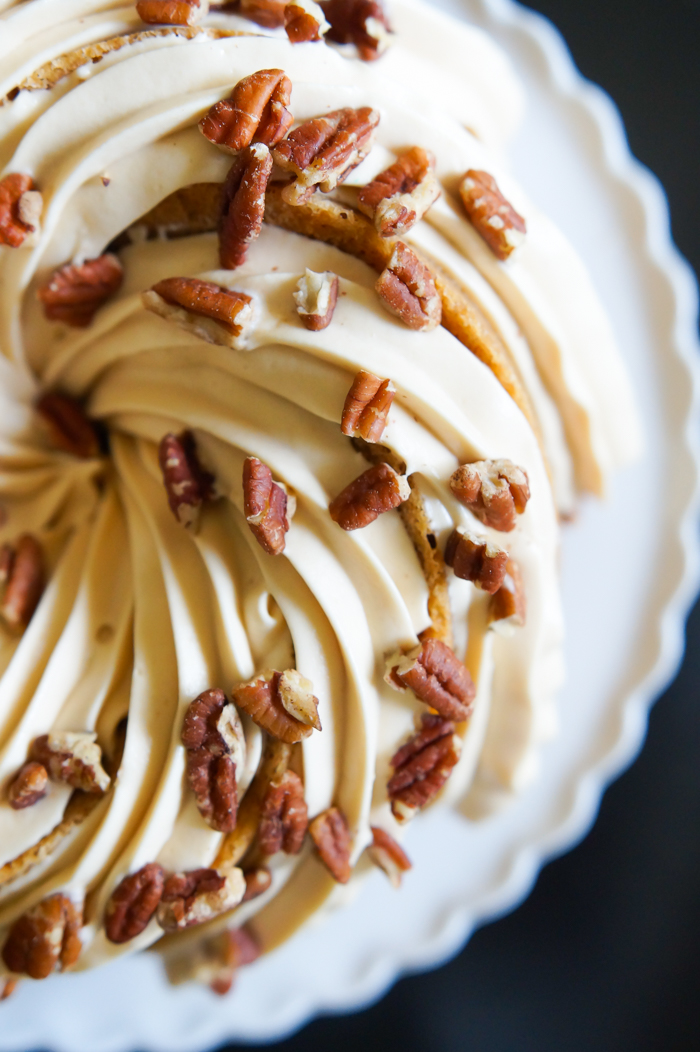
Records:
x=304, y=22
x=331, y=835
x=243, y=204
x=195, y=897
x=386, y=853
x=266, y=506
x=7, y=989
x=508, y=606
x=422, y=766
x=477, y=560
x=239, y=948
x=172, y=12
x=316, y=296
x=215, y=749
x=187, y=484
x=375, y=491
x=367, y=407
x=268, y=13
x=360, y=22
x=401, y=195
x=284, y=816
x=324, y=150
x=44, y=939
x=72, y=758
x=29, y=786
x=257, y=881
x=491, y=214
x=256, y=111
x=262, y=699
x=435, y=675
x=133, y=903
x=407, y=289
x=20, y=208
x=493, y=490
x=69, y=427
x=211, y=312
x=24, y=576
x=74, y=293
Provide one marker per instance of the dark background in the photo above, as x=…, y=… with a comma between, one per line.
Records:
x=605, y=953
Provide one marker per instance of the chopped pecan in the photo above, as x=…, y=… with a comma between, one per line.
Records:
x=422, y=766
x=401, y=195
x=72, y=758
x=211, y=312
x=257, y=881
x=304, y=21
x=297, y=697
x=316, y=296
x=195, y=897
x=7, y=988
x=329, y=832
x=172, y=12
x=324, y=150
x=69, y=427
x=215, y=750
x=475, y=559
x=360, y=22
x=367, y=407
x=29, y=786
x=133, y=903
x=386, y=853
x=239, y=948
x=493, y=490
x=284, y=816
x=268, y=13
x=435, y=675
x=407, y=289
x=74, y=293
x=375, y=491
x=266, y=506
x=20, y=208
x=187, y=484
x=508, y=605
x=491, y=214
x=243, y=204
x=45, y=938
x=262, y=699
x=256, y=111
x=24, y=567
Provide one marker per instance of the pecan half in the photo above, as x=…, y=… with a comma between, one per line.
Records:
x=324, y=150
x=422, y=766
x=7, y=988
x=491, y=214
x=243, y=204
x=74, y=293
x=72, y=758
x=69, y=426
x=239, y=948
x=297, y=697
x=262, y=699
x=435, y=675
x=256, y=111
x=305, y=22
x=268, y=13
x=477, y=560
x=257, y=881
x=24, y=567
x=195, y=897
x=367, y=407
x=388, y=855
x=493, y=490
x=407, y=289
x=375, y=491
x=508, y=606
x=316, y=296
x=215, y=749
x=20, y=208
x=172, y=12
x=211, y=312
x=29, y=786
x=133, y=903
x=401, y=195
x=44, y=939
x=284, y=816
x=360, y=22
x=329, y=832
x=266, y=507
x=187, y=484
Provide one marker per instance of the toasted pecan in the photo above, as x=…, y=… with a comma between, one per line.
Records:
x=476, y=559
x=243, y=204
x=29, y=785
x=316, y=296
x=331, y=835
x=24, y=582
x=73, y=758
x=45, y=938
x=401, y=195
x=422, y=766
x=501, y=227
x=68, y=425
x=74, y=293
x=367, y=407
x=388, y=855
x=508, y=606
x=172, y=12
x=186, y=482
x=211, y=312
x=133, y=903
x=266, y=506
x=304, y=22
x=496, y=491
x=268, y=13
x=407, y=289
x=20, y=209
x=363, y=23
x=435, y=675
x=266, y=699
x=284, y=816
x=215, y=752
x=198, y=896
x=256, y=111
x=375, y=491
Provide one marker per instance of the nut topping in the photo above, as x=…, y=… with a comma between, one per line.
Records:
x=477, y=560
x=401, y=195
x=239, y=948
x=266, y=506
x=195, y=897
x=261, y=698
x=20, y=208
x=187, y=484
x=44, y=939
x=375, y=491
x=386, y=853
x=257, y=881
x=133, y=903
x=211, y=312
x=215, y=750
x=284, y=816
x=172, y=12
x=29, y=786
x=69, y=427
x=407, y=289
x=508, y=606
x=256, y=111
x=268, y=13
x=75, y=293
x=316, y=296
x=297, y=696
x=324, y=150
x=329, y=832
x=491, y=214
x=72, y=758
x=243, y=204
x=7, y=988
x=436, y=676
x=304, y=22
x=23, y=575
x=367, y=407
x=493, y=490
x=422, y=766
x=360, y=22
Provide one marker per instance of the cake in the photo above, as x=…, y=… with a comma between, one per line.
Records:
x=298, y=387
